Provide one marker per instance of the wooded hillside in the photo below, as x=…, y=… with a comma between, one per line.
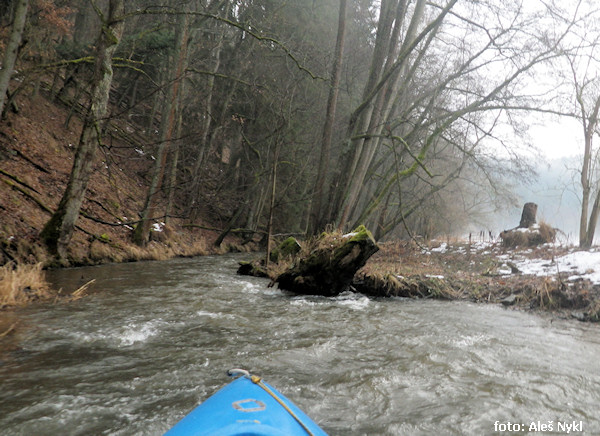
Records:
x=262, y=116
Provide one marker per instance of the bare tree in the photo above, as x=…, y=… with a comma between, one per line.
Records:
x=168, y=123
x=58, y=230
x=12, y=49
x=389, y=58
x=578, y=84
x=317, y=218
x=586, y=87
x=456, y=73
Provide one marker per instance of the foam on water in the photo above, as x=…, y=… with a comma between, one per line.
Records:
x=214, y=315
x=138, y=332
x=353, y=301
x=133, y=359
x=121, y=336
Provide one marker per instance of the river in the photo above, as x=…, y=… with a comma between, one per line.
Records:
x=155, y=338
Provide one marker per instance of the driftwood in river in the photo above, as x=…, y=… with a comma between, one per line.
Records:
x=326, y=266
x=330, y=267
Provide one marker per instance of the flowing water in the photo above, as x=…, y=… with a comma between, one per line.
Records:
x=156, y=338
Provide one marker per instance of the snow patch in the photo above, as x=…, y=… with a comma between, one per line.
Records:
x=158, y=227
x=579, y=265
x=441, y=249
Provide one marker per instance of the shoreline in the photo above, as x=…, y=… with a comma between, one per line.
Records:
x=487, y=273
x=481, y=273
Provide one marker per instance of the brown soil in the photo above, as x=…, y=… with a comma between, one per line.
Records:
x=36, y=155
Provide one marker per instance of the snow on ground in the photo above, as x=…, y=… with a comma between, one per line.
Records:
x=158, y=227
x=578, y=264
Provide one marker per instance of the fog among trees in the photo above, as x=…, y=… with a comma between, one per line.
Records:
x=288, y=116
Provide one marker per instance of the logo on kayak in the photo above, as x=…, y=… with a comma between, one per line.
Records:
x=249, y=405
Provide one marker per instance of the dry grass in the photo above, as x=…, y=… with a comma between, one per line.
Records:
x=529, y=238
x=391, y=285
x=22, y=284
x=593, y=313
x=404, y=269
x=324, y=241
x=547, y=232
x=543, y=295
x=153, y=251
x=102, y=252
x=196, y=248
x=171, y=245
x=81, y=291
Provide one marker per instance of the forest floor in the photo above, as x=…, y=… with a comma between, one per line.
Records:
x=36, y=156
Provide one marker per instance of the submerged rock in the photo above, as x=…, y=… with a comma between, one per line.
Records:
x=511, y=300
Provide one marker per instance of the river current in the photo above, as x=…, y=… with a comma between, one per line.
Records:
x=156, y=338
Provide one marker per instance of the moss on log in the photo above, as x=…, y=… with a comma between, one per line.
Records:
x=288, y=248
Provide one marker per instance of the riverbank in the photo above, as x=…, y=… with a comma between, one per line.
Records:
x=532, y=279
x=551, y=278
x=158, y=337
x=23, y=281
x=36, y=152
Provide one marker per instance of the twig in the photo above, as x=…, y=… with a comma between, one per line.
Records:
x=80, y=291
x=7, y=332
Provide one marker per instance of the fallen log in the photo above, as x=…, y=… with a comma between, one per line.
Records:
x=329, y=269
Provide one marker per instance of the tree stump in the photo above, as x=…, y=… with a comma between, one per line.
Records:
x=329, y=269
x=528, y=215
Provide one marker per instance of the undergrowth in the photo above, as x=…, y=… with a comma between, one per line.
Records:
x=22, y=284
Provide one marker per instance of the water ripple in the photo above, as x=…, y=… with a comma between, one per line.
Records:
x=134, y=358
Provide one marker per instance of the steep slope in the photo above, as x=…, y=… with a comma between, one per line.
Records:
x=36, y=155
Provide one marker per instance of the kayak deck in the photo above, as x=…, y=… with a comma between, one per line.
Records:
x=246, y=406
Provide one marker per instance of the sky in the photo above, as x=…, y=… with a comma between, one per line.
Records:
x=557, y=189
x=558, y=139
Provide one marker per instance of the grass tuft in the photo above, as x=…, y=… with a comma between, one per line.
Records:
x=22, y=284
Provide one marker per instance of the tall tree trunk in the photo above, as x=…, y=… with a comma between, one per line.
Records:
x=142, y=232
x=58, y=230
x=360, y=118
x=317, y=217
x=205, y=144
x=585, y=190
x=174, y=159
x=591, y=230
x=589, y=123
x=272, y=201
x=377, y=99
x=85, y=27
x=12, y=49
